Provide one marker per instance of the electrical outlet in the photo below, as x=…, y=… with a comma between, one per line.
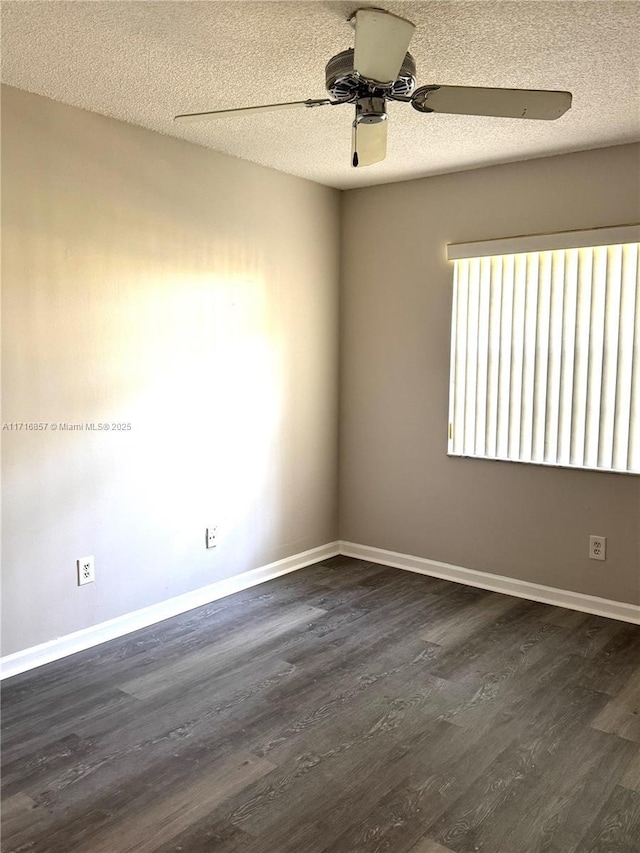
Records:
x=597, y=547
x=212, y=537
x=86, y=570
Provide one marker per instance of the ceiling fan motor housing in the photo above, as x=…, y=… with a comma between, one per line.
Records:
x=344, y=84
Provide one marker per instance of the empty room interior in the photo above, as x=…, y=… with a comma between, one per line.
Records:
x=320, y=427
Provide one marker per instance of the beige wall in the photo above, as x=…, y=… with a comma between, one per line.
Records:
x=195, y=296
x=152, y=282
x=399, y=490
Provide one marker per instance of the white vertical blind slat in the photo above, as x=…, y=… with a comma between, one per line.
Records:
x=542, y=358
x=569, y=315
x=554, y=369
x=628, y=299
x=581, y=359
x=529, y=361
x=517, y=357
x=453, y=357
x=495, y=311
x=610, y=356
x=504, y=377
x=473, y=306
x=633, y=463
x=596, y=355
x=483, y=356
x=461, y=359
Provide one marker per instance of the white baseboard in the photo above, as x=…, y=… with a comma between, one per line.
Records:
x=93, y=636
x=496, y=583
x=122, y=625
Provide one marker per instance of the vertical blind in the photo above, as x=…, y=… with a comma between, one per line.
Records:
x=545, y=356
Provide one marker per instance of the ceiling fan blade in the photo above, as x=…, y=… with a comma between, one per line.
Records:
x=368, y=142
x=381, y=44
x=320, y=102
x=504, y=103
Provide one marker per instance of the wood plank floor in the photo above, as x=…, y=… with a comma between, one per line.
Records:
x=344, y=708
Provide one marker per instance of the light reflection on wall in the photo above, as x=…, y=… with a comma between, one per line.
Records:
x=204, y=428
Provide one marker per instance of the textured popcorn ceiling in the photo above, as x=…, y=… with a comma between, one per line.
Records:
x=143, y=62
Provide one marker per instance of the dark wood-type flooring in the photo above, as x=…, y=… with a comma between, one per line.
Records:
x=343, y=708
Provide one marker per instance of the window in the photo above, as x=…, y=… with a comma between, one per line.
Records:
x=545, y=350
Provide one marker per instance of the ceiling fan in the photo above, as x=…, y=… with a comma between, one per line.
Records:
x=379, y=69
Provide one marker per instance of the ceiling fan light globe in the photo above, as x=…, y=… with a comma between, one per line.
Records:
x=368, y=142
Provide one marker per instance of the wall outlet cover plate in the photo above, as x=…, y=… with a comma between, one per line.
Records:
x=86, y=570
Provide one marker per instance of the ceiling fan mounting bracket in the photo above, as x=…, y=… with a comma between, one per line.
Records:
x=352, y=17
